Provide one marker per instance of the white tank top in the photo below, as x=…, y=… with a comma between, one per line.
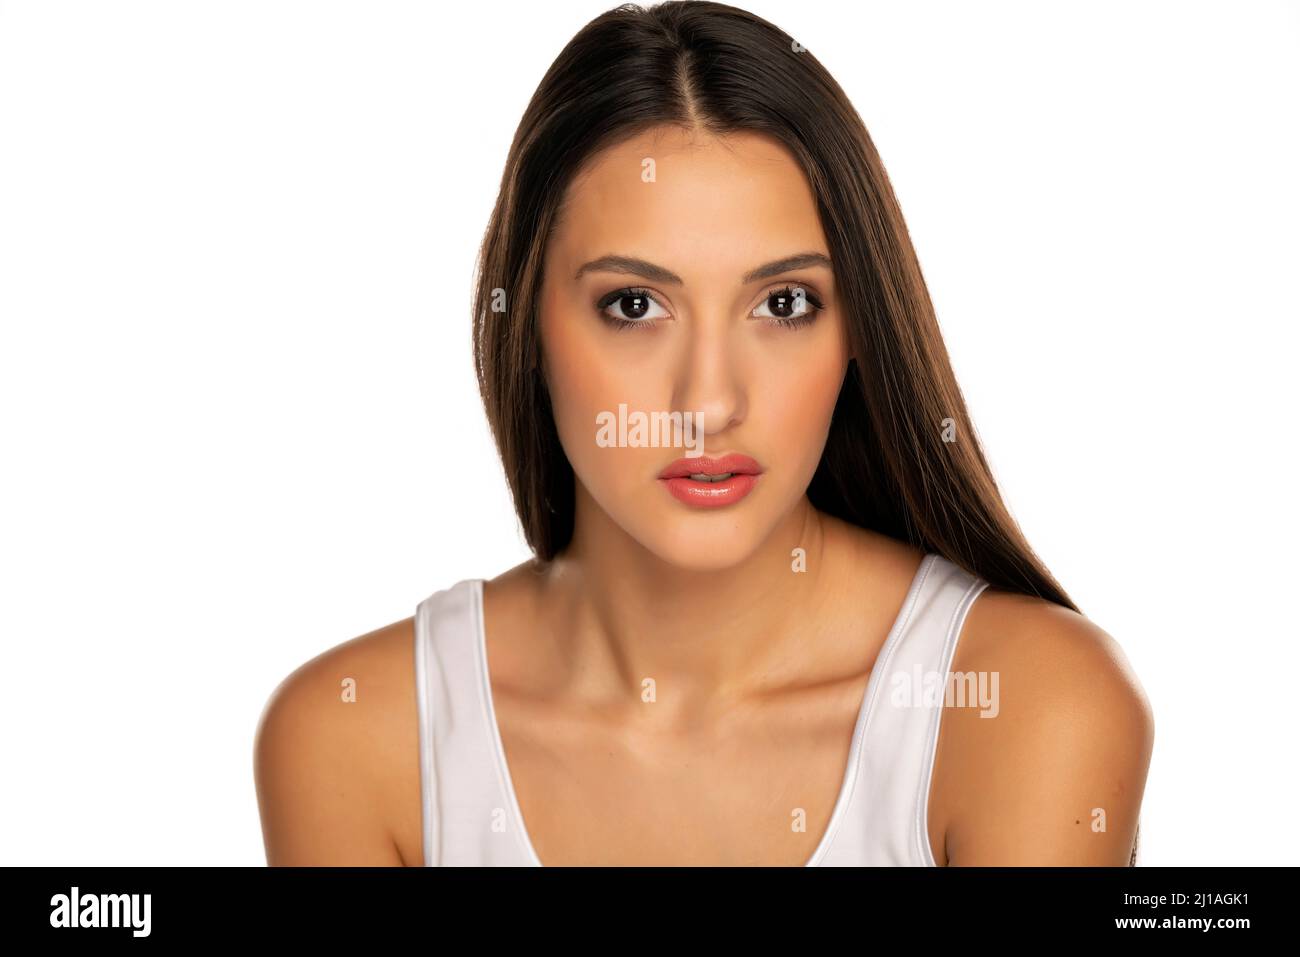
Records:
x=471, y=815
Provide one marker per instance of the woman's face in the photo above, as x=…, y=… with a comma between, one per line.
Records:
x=670, y=287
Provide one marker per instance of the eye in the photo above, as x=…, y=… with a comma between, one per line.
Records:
x=632, y=306
x=793, y=305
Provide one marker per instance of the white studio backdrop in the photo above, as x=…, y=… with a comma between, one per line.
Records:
x=239, y=421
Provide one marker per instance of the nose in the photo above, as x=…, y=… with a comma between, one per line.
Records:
x=710, y=377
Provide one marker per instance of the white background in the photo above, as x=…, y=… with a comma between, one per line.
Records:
x=239, y=423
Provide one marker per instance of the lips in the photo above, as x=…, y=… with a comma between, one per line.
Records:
x=733, y=464
x=706, y=482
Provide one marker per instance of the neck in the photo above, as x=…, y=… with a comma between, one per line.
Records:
x=707, y=637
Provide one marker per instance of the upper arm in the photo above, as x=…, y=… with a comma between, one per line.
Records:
x=1057, y=776
x=323, y=791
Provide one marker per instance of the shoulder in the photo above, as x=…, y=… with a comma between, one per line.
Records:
x=1060, y=756
x=336, y=755
x=1062, y=664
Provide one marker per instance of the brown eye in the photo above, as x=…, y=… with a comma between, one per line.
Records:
x=630, y=307
x=789, y=306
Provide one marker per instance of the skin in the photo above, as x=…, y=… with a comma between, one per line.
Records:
x=758, y=672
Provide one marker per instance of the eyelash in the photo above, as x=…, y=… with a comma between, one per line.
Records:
x=789, y=322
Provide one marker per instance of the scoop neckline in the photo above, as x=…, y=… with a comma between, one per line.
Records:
x=848, y=779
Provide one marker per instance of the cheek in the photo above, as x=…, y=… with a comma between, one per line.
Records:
x=569, y=362
x=803, y=385
x=573, y=378
x=584, y=381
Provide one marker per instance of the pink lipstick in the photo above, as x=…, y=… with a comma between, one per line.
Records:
x=706, y=482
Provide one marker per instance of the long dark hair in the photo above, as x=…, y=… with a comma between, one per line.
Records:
x=902, y=456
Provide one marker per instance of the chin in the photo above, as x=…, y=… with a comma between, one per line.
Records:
x=704, y=541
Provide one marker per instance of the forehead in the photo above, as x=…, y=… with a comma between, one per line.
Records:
x=685, y=199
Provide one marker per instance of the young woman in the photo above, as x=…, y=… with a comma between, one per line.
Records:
x=798, y=627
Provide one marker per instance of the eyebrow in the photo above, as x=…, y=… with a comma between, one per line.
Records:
x=648, y=270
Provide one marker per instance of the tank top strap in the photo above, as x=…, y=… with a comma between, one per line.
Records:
x=886, y=823
x=466, y=816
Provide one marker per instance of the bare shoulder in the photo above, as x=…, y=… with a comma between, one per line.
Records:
x=1067, y=655
x=336, y=760
x=1060, y=753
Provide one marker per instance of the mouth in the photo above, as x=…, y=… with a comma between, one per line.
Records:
x=706, y=482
